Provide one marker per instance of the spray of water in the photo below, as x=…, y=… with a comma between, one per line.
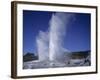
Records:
x=50, y=44
x=58, y=26
x=42, y=41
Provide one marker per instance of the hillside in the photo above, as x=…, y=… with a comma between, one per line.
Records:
x=29, y=57
x=79, y=55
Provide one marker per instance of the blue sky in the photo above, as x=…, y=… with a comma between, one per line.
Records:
x=78, y=32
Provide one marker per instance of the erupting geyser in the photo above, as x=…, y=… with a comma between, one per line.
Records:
x=58, y=26
x=50, y=44
x=43, y=46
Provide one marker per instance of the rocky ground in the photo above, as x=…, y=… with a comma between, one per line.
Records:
x=35, y=64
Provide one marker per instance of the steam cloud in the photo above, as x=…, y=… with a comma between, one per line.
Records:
x=50, y=44
x=43, y=45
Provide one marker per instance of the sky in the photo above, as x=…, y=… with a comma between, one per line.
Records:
x=78, y=37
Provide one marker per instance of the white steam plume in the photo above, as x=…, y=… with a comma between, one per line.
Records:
x=58, y=25
x=50, y=44
x=43, y=45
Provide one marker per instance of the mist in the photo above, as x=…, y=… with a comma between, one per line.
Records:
x=50, y=44
x=42, y=41
x=58, y=30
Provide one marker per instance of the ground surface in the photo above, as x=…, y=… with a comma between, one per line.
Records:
x=35, y=64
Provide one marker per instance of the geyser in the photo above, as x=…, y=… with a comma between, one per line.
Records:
x=42, y=41
x=50, y=44
x=58, y=26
